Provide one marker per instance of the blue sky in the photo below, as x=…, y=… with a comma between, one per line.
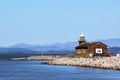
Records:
x=50, y=21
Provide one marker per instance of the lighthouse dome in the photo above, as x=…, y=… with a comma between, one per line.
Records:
x=82, y=35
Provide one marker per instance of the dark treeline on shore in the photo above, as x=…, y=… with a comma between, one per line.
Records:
x=7, y=56
x=14, y=53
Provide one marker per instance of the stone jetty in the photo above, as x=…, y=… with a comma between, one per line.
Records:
x=37, y=58
x=96, y=62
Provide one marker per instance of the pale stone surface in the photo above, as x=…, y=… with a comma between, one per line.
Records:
x=37, y=58
x=98, y=62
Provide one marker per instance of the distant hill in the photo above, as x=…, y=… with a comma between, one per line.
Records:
x=24, y=50
x=64, y=46
x=16, y=50
x=114, y=50
x=21, y=45
x=114, y=46
x=112, y=42
x=56, y=46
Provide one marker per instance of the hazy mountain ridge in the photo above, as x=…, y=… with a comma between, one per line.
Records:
x=114, y=46
x=64, y=46
x=55, y=46
x=15, y=50
x=112, y=42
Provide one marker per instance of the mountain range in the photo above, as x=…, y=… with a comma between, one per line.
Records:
x=69, y=46
x=63, y=46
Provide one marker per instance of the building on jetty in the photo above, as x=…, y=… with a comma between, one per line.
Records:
x=87, y=49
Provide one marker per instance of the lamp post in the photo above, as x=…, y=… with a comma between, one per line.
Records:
x=42, y=53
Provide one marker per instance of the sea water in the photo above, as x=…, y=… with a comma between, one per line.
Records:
x=35, y=70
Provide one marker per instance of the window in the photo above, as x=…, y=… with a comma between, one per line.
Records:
x=99, y=50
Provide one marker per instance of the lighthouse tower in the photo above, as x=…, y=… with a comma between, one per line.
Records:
x=82, y=39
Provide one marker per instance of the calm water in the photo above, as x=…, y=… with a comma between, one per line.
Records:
x=34, y=70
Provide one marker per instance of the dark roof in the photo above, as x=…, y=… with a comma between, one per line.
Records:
x=86, y=45
x=98, y=43
x=83, y=46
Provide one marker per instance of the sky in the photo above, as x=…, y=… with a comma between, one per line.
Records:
x=51, y=21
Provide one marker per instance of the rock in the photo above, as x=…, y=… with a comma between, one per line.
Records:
x=97, y=62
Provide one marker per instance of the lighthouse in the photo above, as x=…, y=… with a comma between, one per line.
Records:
x=82, y=39
x=85, y=48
